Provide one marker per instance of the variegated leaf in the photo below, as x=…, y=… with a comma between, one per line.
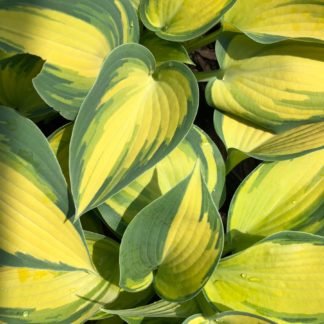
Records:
x=134, y=115
x=243, y=140
x=182, y=227
x=164, y=50
x=159, y=309
x=228, y=318
x=41, y=250
x=16, y=88
x=181, y=20
x=72, y=37
x=281, y=278
x=271, y=21
x=120, y=209
x=278, y=196
x=276, y=86
x=60, y=142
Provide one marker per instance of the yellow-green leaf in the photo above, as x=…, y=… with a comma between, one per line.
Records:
x=276, y=86
x=281, y=277
x=271, y=21
x=183, y=228
x=59, y=142
x=164, y=50
x=16, y=88
x=228, y=318
x=72, y=37
x=181, y=20
x=278, y=196
x=245, y=140
x=134, y=115
x=120, y=209
x=41, y=249
x=160, y=309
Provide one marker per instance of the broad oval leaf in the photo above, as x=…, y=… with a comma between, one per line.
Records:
x=181, y=20
x=264, y=145
x=41, y=249
x=16, y=88
x=179, y=236
x=228, y=318
x=133, y=117
x=120, y=209
x=276, y=86
x=271, y=21
x=278, y=196
x=281, y=277
x=72, y=37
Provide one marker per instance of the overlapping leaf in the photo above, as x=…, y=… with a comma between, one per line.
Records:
x=16, y=88
x=228, y=318
x=41, y=250
x=73, y=38
x=133, y=117
x=276, y=86
x=164, y=50
x=180, y=20
x=271, y=21
x=159, y=309
x=60, y=142
x=285, y=195
x=264, y=145
x=182, y=227
x=120, y=209
x=281, y=277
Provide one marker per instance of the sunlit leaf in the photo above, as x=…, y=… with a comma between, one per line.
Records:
x=281, y=277
x=243, y=140
x=276, y=86
x=182, y=227
x=72, y=37
x=278, y=196
x=228, y=318
x=41, y=250
x=134, y=115
x=120, y=209
x=180, y=20
x=271, y=21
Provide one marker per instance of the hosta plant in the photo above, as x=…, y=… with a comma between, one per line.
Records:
x=123, y=200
